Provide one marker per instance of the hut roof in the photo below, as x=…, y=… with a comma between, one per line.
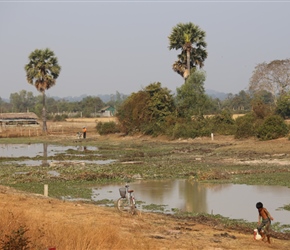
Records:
x=27, y=115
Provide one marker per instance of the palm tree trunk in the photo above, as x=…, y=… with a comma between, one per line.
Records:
x=44, y=127
x=188, y=61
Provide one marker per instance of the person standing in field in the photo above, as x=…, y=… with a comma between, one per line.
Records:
x=84, y=132
x=264, y=221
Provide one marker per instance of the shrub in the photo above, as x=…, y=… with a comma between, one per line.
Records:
x=16, y=240
x=273, y=127
x=245, y=126
x=261, y=110
x=59, y=118
x=283, y=106
x=184, y=130
x=222, y=123
x=191, y=129
x=107, y=128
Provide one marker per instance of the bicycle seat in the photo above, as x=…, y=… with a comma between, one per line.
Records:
x=130, y=191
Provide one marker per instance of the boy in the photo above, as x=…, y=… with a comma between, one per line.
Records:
x=264, y=220
x=84, y=132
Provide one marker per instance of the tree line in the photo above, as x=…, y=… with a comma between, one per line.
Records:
x=155, y=110
x=57, y=108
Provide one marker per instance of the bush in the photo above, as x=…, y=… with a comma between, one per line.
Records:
x=245, y=126
x=184, y=130
x=59, y=118
x=222, y=124
x=16, y=240
x=107, y=128
x=283, y=106
x=273, y=127
x=191, y=128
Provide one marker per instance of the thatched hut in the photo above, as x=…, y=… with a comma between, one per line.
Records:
x=18, y=119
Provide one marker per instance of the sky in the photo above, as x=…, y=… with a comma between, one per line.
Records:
x=109, y=46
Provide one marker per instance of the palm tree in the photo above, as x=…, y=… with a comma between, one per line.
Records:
x=190, y=39
x=42, y=71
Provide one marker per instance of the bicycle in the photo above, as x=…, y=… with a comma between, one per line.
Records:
x=126, y=203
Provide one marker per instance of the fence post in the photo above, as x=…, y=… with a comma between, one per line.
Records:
x=46, y=190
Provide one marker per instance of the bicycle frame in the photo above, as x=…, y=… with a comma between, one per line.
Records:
x=127, y=203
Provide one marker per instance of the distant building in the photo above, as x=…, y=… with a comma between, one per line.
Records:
x=18, y=119
x=107, y=111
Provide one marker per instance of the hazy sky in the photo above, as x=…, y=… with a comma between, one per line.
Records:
x=109, y=46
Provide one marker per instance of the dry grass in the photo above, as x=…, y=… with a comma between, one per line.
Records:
x=66, y=226
x=68, y=127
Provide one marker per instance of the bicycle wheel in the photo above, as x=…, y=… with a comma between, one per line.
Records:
x=132, y=206
x=123, y=205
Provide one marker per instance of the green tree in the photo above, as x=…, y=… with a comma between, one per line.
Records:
x=116, y=100
x=4, y=106
x=191, y=40
x=90, y=105
x=283, y=106
x=191, y=98
x=240, y=102
x=147, y=111
x=23, y=101
x=42, y=71
x=273, y=127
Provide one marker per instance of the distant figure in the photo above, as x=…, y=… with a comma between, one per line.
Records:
x=79, y=135
x=84, y=132
x=264, y=221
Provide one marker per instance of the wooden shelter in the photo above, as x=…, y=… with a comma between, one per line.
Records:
x=18, y=119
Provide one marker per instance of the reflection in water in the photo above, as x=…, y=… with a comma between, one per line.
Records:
x=228, y=200
x=45, y=150
x=32, y=150
x=44, y=161
x=53, y=163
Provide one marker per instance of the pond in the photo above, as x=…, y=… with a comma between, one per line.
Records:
x=168, y=196
x=45, y=150
x=229, y=200
x=41, y=149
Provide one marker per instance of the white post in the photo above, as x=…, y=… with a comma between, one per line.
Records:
x=45, y=190
x=212, y=136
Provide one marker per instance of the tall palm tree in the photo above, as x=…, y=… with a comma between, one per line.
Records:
x=42, y=71
x=190, y=39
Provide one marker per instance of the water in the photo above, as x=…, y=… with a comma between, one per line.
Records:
x=45, y=150
x=41, y=149
x=229, y=200
x=54, y=163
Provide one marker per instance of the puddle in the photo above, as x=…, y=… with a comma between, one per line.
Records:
x=53, y=163
x=53, y=173
x=228, y=200
x=41, y=149
x=45, y=150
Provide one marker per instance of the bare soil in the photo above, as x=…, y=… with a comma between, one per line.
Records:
x=147, y=230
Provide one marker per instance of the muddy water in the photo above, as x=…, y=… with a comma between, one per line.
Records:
x=45, y=150
x=228, y=200
x=32, y=150
x=233, y=201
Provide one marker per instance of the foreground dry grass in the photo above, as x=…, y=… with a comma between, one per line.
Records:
x=67, y=226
